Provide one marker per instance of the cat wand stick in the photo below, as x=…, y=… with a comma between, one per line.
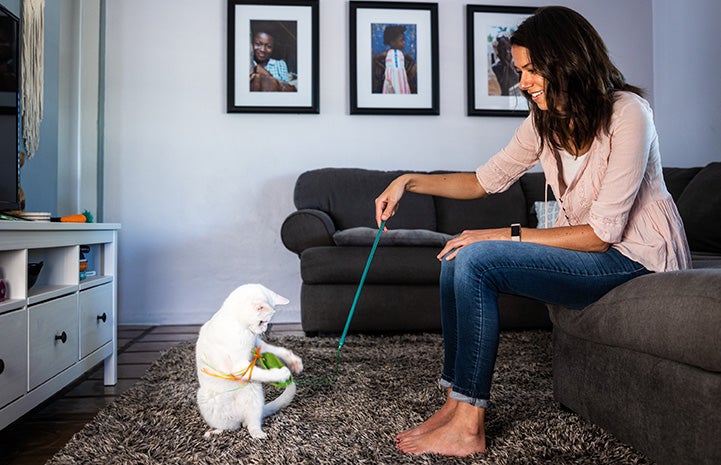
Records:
x=341, y=342
x=360, y=285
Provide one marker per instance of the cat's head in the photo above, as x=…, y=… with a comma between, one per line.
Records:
x=253, y=306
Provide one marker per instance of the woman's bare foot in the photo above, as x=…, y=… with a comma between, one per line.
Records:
x=441, y=417
x=464, y=434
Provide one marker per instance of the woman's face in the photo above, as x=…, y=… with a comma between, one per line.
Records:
x=531, y=82
x=262, y=47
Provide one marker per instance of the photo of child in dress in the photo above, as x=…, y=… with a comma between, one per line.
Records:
x=274, y=52
x=394, y=53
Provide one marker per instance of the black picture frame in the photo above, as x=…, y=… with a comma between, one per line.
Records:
x=288, y=87
x=491, y=91
x=418, y=92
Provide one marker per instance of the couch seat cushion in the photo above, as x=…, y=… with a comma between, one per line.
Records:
x=673, y=315
x=390, y=265
x=363, y=236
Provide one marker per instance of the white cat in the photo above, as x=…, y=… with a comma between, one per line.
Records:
x=231, y=391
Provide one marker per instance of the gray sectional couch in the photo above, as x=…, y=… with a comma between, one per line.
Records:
x=644, y=362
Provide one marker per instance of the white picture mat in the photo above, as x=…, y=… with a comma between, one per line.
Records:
x=364, y=57
x=244, y=14
x=482, y=24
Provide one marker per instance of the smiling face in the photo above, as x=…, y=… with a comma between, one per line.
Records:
x=262, y=47
x=531, y=81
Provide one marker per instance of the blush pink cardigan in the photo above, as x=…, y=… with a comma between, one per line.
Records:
x=619, y=189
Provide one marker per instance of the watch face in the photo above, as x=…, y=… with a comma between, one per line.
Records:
x=515, y=230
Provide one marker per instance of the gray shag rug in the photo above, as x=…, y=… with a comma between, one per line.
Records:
x=385, y=385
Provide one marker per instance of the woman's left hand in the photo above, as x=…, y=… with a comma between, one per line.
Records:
x=469, y=237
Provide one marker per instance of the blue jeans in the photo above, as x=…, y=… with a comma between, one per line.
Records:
x=471, y=282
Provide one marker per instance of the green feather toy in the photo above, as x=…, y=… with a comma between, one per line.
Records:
x=268, y=360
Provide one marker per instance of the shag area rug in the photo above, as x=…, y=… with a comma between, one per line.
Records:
x=385, y=384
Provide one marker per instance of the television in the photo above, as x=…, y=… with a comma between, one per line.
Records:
x=9, y=111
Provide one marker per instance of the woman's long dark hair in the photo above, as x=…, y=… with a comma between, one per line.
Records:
x=580, y=78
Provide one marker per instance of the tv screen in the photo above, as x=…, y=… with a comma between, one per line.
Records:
x=9, y=110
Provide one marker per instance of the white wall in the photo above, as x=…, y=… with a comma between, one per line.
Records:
x=687, y=70
x=201, y=194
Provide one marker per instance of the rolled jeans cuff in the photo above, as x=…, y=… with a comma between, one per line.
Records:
x=445, y=384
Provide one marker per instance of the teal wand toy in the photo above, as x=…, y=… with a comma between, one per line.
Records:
x=325, y=380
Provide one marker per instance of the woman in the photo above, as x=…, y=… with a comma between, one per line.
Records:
x=268, y=74
x=595, y=139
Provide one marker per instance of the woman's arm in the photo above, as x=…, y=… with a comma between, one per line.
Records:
x=581, y=238
x=453, y=185
x=466, y=186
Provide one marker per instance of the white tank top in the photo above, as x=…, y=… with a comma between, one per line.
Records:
x=571, y=165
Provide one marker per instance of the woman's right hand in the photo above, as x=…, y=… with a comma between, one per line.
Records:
x=387, y=202
x=452, y=186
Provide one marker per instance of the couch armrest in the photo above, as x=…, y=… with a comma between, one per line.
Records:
x=307, y=228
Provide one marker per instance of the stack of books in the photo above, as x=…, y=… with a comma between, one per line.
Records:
x=35, y=216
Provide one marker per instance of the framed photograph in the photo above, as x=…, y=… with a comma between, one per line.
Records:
x=273, y=56
x=394, y=58
x=493, y=87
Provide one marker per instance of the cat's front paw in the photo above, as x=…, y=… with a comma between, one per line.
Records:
x=295, y=363
x=212, y=432
x=280, y=374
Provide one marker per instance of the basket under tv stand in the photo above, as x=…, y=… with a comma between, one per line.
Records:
x=65, y=324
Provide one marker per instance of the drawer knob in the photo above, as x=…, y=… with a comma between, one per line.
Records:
x=102, y=317
x=2, y=366
x=62, y=337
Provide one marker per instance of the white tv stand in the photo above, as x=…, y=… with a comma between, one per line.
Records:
x=63, y=326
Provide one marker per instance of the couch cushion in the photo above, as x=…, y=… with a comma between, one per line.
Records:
x=705, y=260
x=673, y=315
x=495, y=211
x=534, y=185
x=362, y=236
x=348, y=195
x=677, y=179
x=390, y=265
x=700, y=208
x=546, y=213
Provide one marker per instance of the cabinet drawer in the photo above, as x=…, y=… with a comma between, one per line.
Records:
x=96, y=318
x=53, y=333
x=13, y=356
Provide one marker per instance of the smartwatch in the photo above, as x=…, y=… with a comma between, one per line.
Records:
x=516, y=232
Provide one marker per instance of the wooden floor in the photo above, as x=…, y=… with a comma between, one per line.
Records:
x=37, y=436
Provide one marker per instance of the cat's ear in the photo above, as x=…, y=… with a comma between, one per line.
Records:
x=275, y=299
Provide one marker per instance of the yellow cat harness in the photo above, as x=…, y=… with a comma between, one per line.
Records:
x=237, y=376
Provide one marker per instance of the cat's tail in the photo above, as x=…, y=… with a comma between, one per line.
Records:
x=282, y=401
